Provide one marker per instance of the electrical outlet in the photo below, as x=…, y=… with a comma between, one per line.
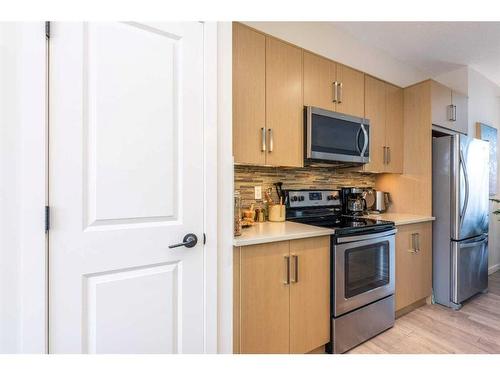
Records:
x=258, y=192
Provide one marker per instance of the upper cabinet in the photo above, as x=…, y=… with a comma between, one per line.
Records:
x=449, y=108
x=384, y=109
x=284, y=112
x=333, y=86
x=267, y=100
x=249, y=95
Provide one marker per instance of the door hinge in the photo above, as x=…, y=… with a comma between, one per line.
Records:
x=47, y=29
x=204, y=238
x=47, y=218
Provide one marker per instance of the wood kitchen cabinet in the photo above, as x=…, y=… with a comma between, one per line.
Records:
x=449, y=108
x=284, y=111
x=267, y=100
x=333, y=86
x=282, y=296
x=384, y=109
x=413, y=264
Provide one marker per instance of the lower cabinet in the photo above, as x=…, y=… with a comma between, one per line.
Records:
x=282, y=296
x=413, y=264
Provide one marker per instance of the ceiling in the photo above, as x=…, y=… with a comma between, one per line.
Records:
x=435, y=47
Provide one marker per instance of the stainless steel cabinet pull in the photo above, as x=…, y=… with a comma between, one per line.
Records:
x=388, y=155
x=340, y=86
x=263, y=136
x=271, y=140
x=417, y=236
x=454, y=113
x=451, y=113
x=385, y=155
x=335, y=92
x=415, y=243
x=296, y=269
x=287, y=270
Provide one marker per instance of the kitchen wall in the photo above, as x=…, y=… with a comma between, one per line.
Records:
x=484, y=106
x=325, y=39
x=246, y=177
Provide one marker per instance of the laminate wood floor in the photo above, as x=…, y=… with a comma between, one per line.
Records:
x=434, y=329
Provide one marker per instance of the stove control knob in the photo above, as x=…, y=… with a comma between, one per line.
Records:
x=301, y=198
x=295, y=198
x=330, y=197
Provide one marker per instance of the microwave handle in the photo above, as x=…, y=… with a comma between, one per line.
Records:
x=357, y=140
x=365, y=136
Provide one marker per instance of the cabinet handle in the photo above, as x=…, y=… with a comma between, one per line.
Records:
x=385, y=154
x=335, y=92
x=415, y=243
x=340, y=86
x=417, y=237
x=287, y=270
x=271, y=140
x=296, y=269
x=263, y=136
x=450, y=112
x=388, y=155
x=454, y=113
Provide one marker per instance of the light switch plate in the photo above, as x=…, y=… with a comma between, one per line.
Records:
x=258, y=192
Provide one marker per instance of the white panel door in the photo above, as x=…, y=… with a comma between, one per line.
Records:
x=125, y=182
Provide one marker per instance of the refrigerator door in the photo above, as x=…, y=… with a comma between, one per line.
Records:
x=470, y=187
x=469, y=268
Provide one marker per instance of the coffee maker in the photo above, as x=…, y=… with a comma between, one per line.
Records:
x=353, y=201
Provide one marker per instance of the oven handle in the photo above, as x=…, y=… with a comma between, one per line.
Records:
x=366, y=236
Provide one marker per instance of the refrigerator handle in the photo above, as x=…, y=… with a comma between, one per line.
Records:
x=466, y=198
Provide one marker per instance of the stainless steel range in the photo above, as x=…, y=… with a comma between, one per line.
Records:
x=362, y=266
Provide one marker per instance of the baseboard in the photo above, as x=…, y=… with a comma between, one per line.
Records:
x=493, y=269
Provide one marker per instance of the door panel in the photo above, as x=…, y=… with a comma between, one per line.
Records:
x=352, y=95
x=319, y=75
x=126, y=168
x=474, y=187
x=265, y=299
x=469, y=268
x=375, y=111
x=462, y=120
x=284, y=109
x=394, y=139
x=249, y=94
x=310, y=294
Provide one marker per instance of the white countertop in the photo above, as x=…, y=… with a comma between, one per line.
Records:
x=274, y=232
x=401, y=219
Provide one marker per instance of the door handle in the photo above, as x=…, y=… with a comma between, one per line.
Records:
x=271, y=140
x=189, y=240
x=296, y=269
x=287, y=270
x=466, y=197
x=340, y=86
x=263, y=136
x=335, y=93
x=385, y=154
x=388, y=155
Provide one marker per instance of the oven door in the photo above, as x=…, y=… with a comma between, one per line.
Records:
x=363, y=271
x=333, y=136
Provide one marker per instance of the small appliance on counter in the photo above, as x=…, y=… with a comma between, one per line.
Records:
x=362, y=266
x=353, y=201
x=382, y=201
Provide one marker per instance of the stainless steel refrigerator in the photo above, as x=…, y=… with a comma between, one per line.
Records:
x=460, y=172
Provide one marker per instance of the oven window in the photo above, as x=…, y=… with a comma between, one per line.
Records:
x=366, y=268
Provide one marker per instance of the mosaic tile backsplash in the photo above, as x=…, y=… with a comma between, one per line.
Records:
x=246, y=177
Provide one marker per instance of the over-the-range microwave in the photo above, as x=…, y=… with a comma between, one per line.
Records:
x=332, y=137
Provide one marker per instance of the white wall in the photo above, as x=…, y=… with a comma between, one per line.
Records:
x=484, y=106
x=325, y=39
x=9, y=191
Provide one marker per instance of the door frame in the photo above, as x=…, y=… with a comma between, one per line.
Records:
x=34, y=273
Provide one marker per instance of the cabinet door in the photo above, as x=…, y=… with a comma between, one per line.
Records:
x=318, y=82
x=351, y=98
x=413, y=263
x=284, y=109
x=375, y=111
x=461, y=124
x=249, y=103
x=394, y=129
x=265, y=298
x=309, y=294
x=440, y=102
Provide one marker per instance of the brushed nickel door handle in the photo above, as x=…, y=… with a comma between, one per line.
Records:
x=287, y=270
x=263, y=136
x=295, y=269
x=335, y=92
x=340, y=86
x=271, y=140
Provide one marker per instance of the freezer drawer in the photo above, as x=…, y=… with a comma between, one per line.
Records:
x=469, y=261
